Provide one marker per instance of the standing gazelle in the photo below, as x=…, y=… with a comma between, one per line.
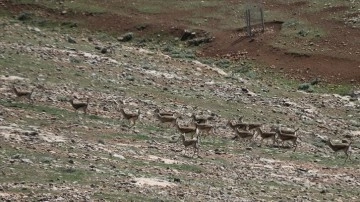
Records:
x=80, y=105
x=185, y=129
x=22, y=93
x=204, y=129
x=130, y=116
x=194, y=143
x=266, y=135
x=346, y=148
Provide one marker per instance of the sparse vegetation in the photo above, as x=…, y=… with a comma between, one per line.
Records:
x=50, y=152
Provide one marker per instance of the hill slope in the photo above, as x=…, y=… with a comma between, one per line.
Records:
x=50, y=152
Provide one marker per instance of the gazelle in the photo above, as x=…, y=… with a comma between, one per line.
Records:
x=266, y=135
x=185, y=129
x=194, y=143
x=204, y=129
x=164, y=113
x=200, y=119
x=244, y=134
x=131, y=117
x=26, y=94
x=288, y=137
x=166, y=118
x=346, y=148
x=80, y=105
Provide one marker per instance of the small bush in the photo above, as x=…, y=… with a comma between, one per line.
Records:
x=24, y=16
x=304, y=86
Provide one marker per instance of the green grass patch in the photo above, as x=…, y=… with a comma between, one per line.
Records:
x=48, y=70
x=70, y=174
x=183, y=167
x=95, y=117
x=121, y=195
x=37, y=108
x=76, y=6
x=288, y=154
x=341, y=89
x=304, y=33
x=294, y=28
x=136, y=136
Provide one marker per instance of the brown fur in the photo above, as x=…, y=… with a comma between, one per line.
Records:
x=26, y=94
x=266, y=135
x=186, y=129
x=164, y=113
x=340, y=147
x=80, y=106
x=243, y=134
x=166, y=118
x=204, y=128
x=131, y=117
x=288, y=137
x=193, y=143
x=200, y=120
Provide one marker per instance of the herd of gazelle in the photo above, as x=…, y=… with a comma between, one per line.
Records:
x=201, y=127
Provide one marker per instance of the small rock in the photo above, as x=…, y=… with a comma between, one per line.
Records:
x=30, y=133
x=71, y=40
x=304, y=86
x=104, y=50
x=188, y=35
x=26, y=161
x=130, y=78
x=126, y=37
x=119, y=156
x=24, y=16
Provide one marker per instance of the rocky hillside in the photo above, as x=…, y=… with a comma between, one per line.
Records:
x=50, y=152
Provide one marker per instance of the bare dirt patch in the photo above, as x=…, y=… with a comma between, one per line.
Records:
x=153, y=182
x=163, y=160
x=103, y=158
x=338, y=63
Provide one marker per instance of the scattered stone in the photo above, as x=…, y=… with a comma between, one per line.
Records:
x=26, y=161
x=198, y=41
x=126, y=37
x=30, y=133
x=130, y=78
x=119, y=156
x=188, y=35
x=304, y=86
x=24, y=16
x=71, y=40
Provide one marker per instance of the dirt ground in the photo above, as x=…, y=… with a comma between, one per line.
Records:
x=49, y=151
x=336, y=58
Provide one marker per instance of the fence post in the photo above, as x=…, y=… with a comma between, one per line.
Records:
x=262, y=20
x=248, y=22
